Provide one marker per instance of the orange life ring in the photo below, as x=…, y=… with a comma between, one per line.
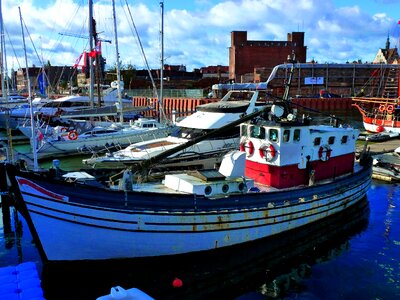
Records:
x=390, y=108
x=324, y=152
x=73, y=135
x=267, y=151
x=382, y=108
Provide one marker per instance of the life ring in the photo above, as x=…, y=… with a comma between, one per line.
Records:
x=324, y=153
x=267, y=151
x=249, y=147
x=390, y=108
x=382, y=108
x=73, y=135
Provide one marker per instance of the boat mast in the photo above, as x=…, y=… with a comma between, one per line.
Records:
x=33, y=128
x=91, y=71
x=160, y=99
x=121, y=116
x=5, y=88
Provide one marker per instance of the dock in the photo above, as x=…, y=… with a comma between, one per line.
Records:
x=379, y=147
x=20, y=282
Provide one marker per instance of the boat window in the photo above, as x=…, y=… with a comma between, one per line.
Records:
x=257, y=132
x=296, y=135
x=286, y=135
x=331, y=140
x=273, y=135
x=243, y=130
x=344, y=139
x=317, y=141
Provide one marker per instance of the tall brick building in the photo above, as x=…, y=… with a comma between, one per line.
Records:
x=245, y=56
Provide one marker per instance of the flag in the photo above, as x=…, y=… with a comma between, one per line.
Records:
x=98, y=47
x=42, y=83
x=39, y=136
x=96, y=50
x=81, y=61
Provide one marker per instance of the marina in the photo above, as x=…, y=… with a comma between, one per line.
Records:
x=276, y=177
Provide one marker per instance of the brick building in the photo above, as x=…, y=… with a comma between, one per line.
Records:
x=245, y=55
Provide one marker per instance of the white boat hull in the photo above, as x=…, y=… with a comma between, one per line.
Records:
x=90, y=232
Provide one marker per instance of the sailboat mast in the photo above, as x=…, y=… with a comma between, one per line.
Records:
x=5, y=87
x=33, y=128
x=121, y=117
x=161, y=96
x=91, y=70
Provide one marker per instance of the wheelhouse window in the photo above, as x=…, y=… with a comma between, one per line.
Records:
x=257, y=132
x=331, y=140
x=273, y=135
x=344, y=139
x=286, y=135
x=317, y=141
x=296, y=135
x=243, y=130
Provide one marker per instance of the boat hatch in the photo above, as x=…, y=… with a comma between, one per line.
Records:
x=207, y=175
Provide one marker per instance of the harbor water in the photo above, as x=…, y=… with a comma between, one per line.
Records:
x=354, y=256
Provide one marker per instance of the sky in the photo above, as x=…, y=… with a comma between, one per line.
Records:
x=196, y=33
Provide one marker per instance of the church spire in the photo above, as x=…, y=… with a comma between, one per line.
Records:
x=387, y=43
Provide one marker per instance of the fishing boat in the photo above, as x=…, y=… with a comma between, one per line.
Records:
x=381, y=113
x=287, y=173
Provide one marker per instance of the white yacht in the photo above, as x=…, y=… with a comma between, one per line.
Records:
x=206, y=153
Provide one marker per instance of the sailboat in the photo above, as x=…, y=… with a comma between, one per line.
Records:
x=68, y=140
x=381, y=113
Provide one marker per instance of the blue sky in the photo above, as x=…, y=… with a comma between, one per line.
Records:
x=197, y=33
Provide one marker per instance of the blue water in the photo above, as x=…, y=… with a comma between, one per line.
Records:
x=361, y=262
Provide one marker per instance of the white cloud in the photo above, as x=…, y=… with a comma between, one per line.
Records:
x=197, y=36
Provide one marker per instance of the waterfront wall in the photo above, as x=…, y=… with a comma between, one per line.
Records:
x=186, y=106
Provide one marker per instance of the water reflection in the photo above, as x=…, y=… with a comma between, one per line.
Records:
x=273, y=267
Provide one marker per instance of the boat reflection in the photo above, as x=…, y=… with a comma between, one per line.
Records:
x=271, y=266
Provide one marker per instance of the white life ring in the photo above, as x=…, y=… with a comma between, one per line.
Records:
x=267, y=151
x=324, y=153
x=73, y=135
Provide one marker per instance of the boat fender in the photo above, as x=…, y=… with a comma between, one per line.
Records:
x=267, y=151
x=324, y=152
x=73, y=135
x=207, y=190
x=382, y=108
x=390, y=108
